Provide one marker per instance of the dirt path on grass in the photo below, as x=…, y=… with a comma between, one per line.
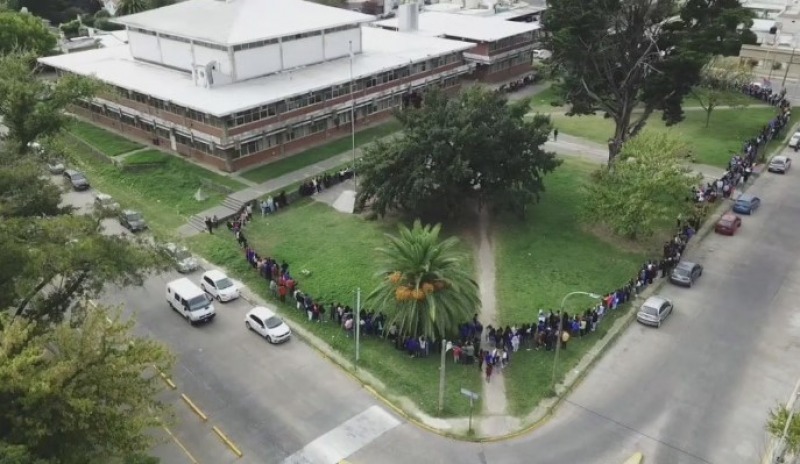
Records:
x=494, y=392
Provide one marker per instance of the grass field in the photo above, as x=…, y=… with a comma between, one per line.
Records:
x=320, y=153
x=338, y=249
x=542, y=259
x=712, y=145
x=146, y=157
x=163, y=194
x=107, y=142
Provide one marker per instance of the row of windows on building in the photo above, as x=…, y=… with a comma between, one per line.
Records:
x=330, y=93
x=289, y=134
x=511, y=41
x=297, y=102
x=518, y=59
x=246, y=46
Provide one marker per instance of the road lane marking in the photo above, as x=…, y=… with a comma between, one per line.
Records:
x=180, y=445
x=346, y=439
x=227, y=441
x=194, y=408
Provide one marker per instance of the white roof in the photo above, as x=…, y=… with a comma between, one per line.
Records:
x=381, y=50
x=235, y=22
x=480, y=29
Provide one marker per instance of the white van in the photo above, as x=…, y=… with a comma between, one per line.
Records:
x=190, y=301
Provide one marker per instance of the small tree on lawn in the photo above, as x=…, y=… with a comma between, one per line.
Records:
x=425, y=286
x=647, y=187
x=719, y=77
x=476, y=145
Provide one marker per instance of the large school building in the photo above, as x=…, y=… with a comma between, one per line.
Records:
x=235, y=83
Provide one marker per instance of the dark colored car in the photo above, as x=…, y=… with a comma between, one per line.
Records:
x=746, y=204
x=728, y=224
x=686, y=273
x=132, y=221
x=76, y=179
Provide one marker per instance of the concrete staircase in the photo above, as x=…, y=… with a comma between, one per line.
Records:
x=233, y=203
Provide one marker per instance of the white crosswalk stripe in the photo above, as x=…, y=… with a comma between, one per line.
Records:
x=346, y=439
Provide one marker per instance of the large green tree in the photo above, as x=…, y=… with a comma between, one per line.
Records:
x=57, y=11
x=476, y=145
x=629, y=58
x=425, y=286
x=647, y=188
x=24, y=32
x=78, y=395
x=31, y=107
x=126, y=7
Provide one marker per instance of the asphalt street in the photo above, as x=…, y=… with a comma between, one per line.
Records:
x=697, y=390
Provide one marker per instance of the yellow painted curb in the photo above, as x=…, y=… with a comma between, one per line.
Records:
x=194, y=408
x=637, y=458
x=166, y=379
x=227, y=441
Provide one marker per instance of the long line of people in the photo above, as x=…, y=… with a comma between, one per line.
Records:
x=491, y=348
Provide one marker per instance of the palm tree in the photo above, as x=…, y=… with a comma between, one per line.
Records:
x=127, y=7
x=425, y=283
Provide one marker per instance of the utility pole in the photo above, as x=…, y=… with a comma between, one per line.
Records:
x=441, y=375
x=358, y=324
x=788, y=65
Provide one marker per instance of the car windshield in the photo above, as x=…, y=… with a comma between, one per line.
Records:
x=725, y=222
x=132, y=216
x=199, y=302
x=224, y=283
x=182, y=253
x=650, y=311
x=77, y=177
x=743, y=202
x=273, y=322
x=777, y=161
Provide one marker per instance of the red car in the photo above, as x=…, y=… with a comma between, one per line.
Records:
x=728, y=224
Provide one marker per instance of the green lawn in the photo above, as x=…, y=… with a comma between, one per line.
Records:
x=542, y=259
x=320, y=153
x=711, y=145
x=146, y=157
x=338, y=249
x=107, y=142
x=164, y=194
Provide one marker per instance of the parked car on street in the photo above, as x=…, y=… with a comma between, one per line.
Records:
x=542, y=54
x=181, y=257
x=219, y=286
x=76, y=179
x=264, y=322
x=132, y=220
x=654, y=310
x=104, y=203
x=795, y=140
x=728, y=224
x=686, y=273
x=779, y=164
x=746, y=204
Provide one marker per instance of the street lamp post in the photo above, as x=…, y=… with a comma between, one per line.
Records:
x=561, y=326
x=446, y=346
x=353, y=114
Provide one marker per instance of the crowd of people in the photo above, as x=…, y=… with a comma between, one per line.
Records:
x=492, y=348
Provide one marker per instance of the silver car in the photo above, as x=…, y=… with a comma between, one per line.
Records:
x=779, y=164
x=181, y=257
x=654, y=310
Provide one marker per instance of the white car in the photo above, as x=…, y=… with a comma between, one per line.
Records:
x=654, y=310
x=264, y=322
x=794, y=140
x=542, y=54
x=219, y=286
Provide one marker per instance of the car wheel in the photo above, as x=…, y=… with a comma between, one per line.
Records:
x=691, y=282
x=217, y=298
x=269, y=339
x=247, y=324
x=658, y=326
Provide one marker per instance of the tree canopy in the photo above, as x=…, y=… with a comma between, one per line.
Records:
x=32, y=108
x=57, y=11
x=425, y=286
x=77, y=395
x=476, y=145
x=647, y=188
x=24, y=32
x=615, y=56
